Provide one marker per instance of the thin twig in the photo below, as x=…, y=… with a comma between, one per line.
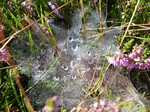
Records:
x=11, y=37
x=10, y=62
x=129, y=23
x=123, y=26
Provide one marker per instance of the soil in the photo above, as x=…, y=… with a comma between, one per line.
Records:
x=141, y=81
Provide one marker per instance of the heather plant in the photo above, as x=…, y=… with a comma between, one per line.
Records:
x=51, y=105
x=135, y=59
x=29, y=7
x=100, y=106
x=3, y=56
x=53, y=7
x=131, y=14
x=11, y=99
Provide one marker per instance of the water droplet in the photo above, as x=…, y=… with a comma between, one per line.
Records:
x=81, y=70
x=88, y=69
x=72, y=64
x=88, y=53
x=37, y=66
x=38, y=57
x=46, y=44
x=78, y=57
x=98, y=68
x=91, y=61
x=80, y=41
x=74, y=46
x=54, y=83
x=56, y=78
x=70, y=39
x=68, y=74
x=65, y=67
x=64, y=49
x=86, y=46
x=74, y=77
x=67, y=51
x=42, y=51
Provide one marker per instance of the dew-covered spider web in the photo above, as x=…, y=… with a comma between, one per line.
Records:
x=69, y=73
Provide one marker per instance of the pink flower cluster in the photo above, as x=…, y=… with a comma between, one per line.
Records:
x=10, y=5
x=46, y=31
x=3, y=56
x=53, y=7
x=50, y=20
x=131, y=60
x=49, y=105
x=100, y=106
x=2, y=28
x=29, y=6
x=104, y=106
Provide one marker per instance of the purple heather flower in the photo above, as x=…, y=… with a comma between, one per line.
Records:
x=58, y=14
x=147, y=60
x=25, y=3
x=51, y=108
x=10, y=5
x=118, y=110
x=47, y=32
x=146, y=66
x=3, y=56
x=9, y=2
x=95, y=1
x=111, y=60
x=100, y=106
x=53, y=7
x=1, y=27
x=103, y=102
x=112, y=103
x=28, y=5
x=50, y=20
x=53, y=0
x=131, y=60
x=43, y=28
x=19, y=76
x=132, y=55
x=104, y=106
x=32, y=11
x=119, y=53
x=139, y=49
x=124, y=61
x=95, y=105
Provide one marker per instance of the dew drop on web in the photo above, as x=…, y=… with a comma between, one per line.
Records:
x=88, y=53
x=91, y=61
x=88, y=69
x=70, y=39
x=81, y=70
x=56, y=78
x=78, y=57
x=98, y=67
x=65, y=67
x=74, y=46
x=73, y=64
x=74, y=77
x=43, y=51
x=54, y=83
